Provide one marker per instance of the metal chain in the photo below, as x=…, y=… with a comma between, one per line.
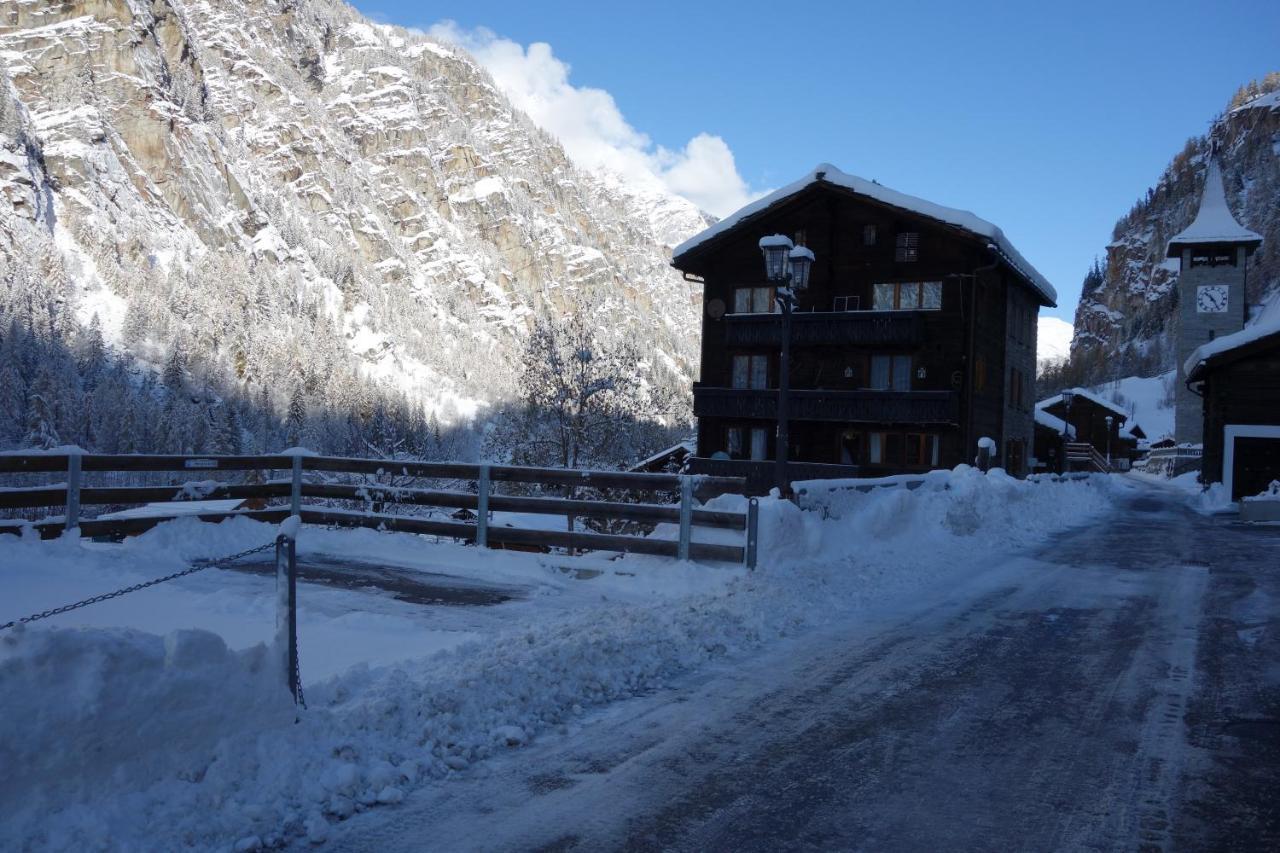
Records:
x=200, y=566
x=297, y=678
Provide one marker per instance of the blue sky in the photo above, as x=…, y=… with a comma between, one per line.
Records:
x=1049, y=119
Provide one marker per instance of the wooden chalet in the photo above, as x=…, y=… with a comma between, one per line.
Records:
x=1091, y=442
x=1238, y=379
x=915, y=338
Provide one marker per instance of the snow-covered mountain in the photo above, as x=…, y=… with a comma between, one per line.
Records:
x=298, y=198
x=1123, y=322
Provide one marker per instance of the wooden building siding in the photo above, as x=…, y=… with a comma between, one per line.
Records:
x=954, y=397
x=1243, y=391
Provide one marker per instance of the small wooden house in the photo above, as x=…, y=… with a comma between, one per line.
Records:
x=1087, y=415
x=1238, y=379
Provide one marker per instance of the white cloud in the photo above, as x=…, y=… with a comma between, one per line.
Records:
x=593, y=130
x=1053, y=339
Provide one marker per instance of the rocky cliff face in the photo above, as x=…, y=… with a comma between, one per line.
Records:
x=296, y=196
x=1123, y=324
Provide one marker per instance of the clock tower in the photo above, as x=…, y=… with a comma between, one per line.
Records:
x=1213, y=252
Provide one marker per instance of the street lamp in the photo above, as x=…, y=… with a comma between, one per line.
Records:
x=1108, y=419
x=786, y=266
x=1067, y=398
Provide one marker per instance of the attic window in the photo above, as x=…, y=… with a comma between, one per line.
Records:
x=868, y=235
x=908, y=247
x=801, y=238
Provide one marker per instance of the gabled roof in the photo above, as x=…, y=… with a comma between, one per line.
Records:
x=826, y=173
x=1214, y=222
x=1087, y=395
x=1054, y=423
x=1223, y=348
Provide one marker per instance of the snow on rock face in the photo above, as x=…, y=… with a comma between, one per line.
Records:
x=250, y=175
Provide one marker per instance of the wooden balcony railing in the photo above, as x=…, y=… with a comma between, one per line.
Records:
x=827, y=328
x=863, y=406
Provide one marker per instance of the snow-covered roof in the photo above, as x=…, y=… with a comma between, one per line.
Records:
x=1266, y=328
x=1214, y=223
x=825, y=172
x=688, y=446
x=1088, y=395
x=1054, y=423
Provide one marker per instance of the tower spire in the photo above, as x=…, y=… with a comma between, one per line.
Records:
x=1214, y=222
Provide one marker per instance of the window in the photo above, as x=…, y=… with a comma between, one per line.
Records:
x=891, y=372
x=850, y=447
x=845, y=303
x=750, y=371
x=979, y=374
x=738, y=440
x=868, y=235
x=922, y=450
x=916, y=450
x=1015, y=388
x=753, y=300
x=801, y=238
x=907, y=248
x=1215, y=258
x=907, y=296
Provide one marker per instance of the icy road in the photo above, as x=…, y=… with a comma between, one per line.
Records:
x=1119, y=689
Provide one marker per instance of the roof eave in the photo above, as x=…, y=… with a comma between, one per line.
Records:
x=1175, y=246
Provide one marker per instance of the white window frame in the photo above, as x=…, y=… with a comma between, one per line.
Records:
x=1229, y=435
x=753, y=290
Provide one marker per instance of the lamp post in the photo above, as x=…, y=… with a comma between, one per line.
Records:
x=786, y=267
x=1068, y=397
x=1108, y=419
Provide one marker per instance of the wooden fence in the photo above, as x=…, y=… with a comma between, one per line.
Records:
x=478, y=498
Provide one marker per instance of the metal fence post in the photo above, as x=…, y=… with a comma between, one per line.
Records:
x=72, y=520
x=482, y=508
x=753, y=529
x=295, y=494
x=287, y=610
x=686, y=517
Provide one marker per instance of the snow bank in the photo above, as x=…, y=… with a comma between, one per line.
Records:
x=87, y=711
x=227, y=768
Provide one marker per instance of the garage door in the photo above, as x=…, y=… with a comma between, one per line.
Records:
x=1256, y=464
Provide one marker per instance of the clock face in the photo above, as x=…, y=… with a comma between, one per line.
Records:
x=1211, y=299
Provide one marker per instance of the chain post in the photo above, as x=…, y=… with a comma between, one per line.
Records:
x=73, y=492
x=482, y=508
x=686, y=517
x=753, y=530
x=287, y=609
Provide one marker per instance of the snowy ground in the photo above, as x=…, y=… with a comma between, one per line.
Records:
x=1114, y=688
x=156, y=721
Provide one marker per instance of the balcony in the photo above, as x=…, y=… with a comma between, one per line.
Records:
x=878, y=407
x=827, y=328
x=763, y=475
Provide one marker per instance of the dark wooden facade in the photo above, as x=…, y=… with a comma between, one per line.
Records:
x=1240, y=389
x=968, y=358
